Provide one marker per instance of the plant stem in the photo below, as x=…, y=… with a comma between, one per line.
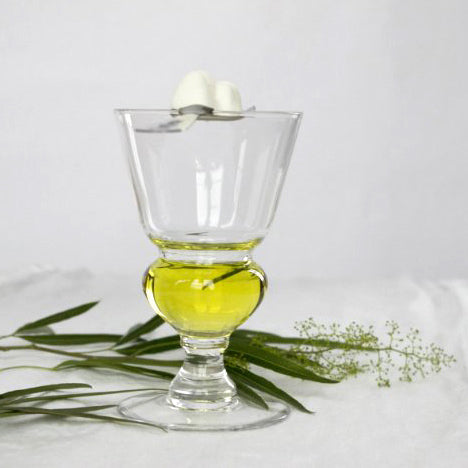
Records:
x=222, y=277
x=109, y=348
x=27, y=367
x=13, y=348
x=377, y=350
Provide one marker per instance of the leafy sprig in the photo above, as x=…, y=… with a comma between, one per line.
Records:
x=321, y=353
x=17, y=403
x=355, y=349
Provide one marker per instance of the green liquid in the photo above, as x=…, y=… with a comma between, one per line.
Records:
x=204, y=300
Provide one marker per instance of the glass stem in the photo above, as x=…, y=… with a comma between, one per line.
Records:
x=202, y=382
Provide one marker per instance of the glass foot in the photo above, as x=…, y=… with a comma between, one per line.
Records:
x=238, y=417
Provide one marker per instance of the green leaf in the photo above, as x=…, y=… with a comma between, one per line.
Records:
x=70, y=339
x=272, y=338
x=97, y=363
x=273, y=360
x=260, y=383
x=248, y=394
x=143, y=361
x=158, y=345
x=81, y=395
x=74, y=410
x=42, y=388
x=9, y=414
x=65, y=413
x=58, y=317
x=266, y=337
x=41, y=331
x=141, y=329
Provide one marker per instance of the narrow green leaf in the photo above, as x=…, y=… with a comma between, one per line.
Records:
x=248, y=332
x=248, y=394
x=266, y=337
x=81, y=395
x=9, y=414
x=157, y=345
x=62, y=413
x=58, y=317
x=260, y=383
x=42, y=388
x=41, y=331
x=271, y=359
x=70, y=339
x=141, y=329
x=272, y=338
x=97, y=363
x=143, y=361
x=74, y=410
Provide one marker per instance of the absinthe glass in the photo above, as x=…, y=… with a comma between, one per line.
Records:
x=207, y=195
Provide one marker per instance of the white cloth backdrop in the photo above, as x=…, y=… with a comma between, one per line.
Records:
x=423, y=424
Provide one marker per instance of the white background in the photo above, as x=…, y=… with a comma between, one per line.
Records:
x=377, y=188
x=378, y=182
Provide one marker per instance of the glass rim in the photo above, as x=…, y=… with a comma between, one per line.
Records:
x=244, y=113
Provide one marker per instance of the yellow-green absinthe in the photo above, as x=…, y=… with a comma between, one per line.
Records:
x=204, y=300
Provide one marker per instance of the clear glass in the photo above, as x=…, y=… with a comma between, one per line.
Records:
x=207, y=189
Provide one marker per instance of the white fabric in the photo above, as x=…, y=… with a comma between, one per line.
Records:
x=423, y=424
